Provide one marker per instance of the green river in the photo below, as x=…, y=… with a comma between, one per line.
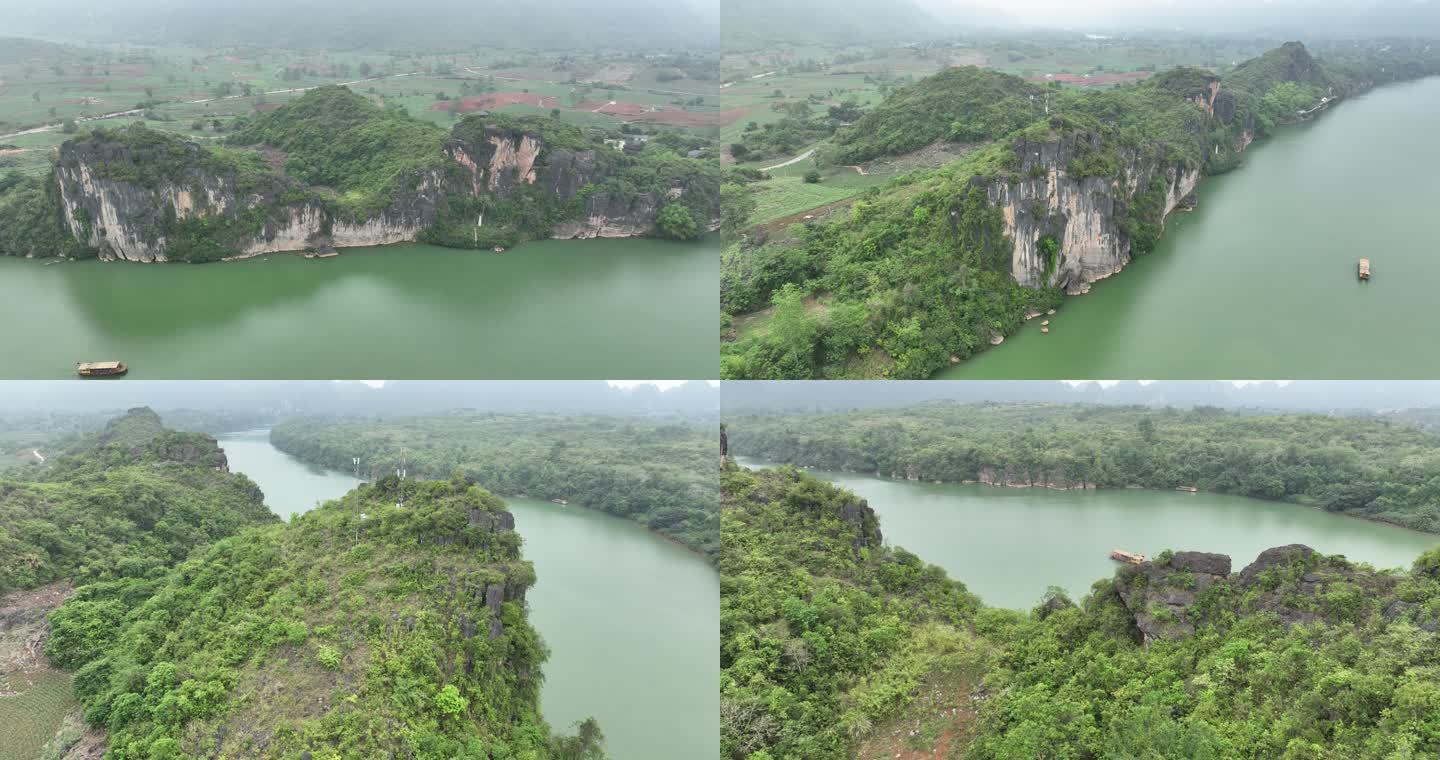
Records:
x=548, y=309
x=632, y=619
x=1259, y=281
x=1009, y=544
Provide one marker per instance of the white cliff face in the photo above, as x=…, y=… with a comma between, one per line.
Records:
x=1082, y=214
x=125, y=221
x=97, y=212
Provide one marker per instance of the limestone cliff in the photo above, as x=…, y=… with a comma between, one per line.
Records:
x=505, y=161
x=1045, y=200
x=1176, y=594
x=137, y=194
x=117, y=203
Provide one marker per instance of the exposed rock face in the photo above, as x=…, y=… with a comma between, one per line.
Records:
x=126, y=220
x=506, y=161
x=1082, y=214
x=1054, y=481
x=867, y=528
x=1160, y=596
x=109, y=207
x=1294, y=584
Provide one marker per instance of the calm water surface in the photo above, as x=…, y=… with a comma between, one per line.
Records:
x=1009, y=544
x=548, y=309
x=632, y=619
x=1259, y=281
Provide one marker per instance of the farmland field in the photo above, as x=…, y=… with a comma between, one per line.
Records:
x=48, y=91
x=29, y=719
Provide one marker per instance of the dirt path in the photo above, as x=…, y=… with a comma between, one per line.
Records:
x=794, y=160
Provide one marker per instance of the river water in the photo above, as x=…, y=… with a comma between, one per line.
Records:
x=1259, y=281
x=546, y=309
x=1009, y=544
x=632, y=619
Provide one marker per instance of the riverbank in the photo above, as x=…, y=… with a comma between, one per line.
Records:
x=1009, y=544
x=631, y=619
x=1272, y=240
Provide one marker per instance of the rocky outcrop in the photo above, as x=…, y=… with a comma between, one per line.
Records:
x=132, y=196
x=861, y=517
x=505, y=161
x=1054, y=481
x=1160, y=595
x=1043, y=200
x=114, y=202
x=1168, y=598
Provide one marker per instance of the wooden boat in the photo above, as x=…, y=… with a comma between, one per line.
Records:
x=100, y=369
x=561, y=502
x=1120, y=555
x=1364, y=269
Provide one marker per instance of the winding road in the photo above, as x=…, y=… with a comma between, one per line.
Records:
x=794, y=160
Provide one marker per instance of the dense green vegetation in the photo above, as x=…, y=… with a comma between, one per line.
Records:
x=335, y=138
x=917, y=272
x=34, y=225
x=360, y=629
x=825, y=636
x=335, y=153
x=917, y=275
x=658, y=474
x=824, y=632
x=961, y=104
x=1366, y=467
x=126, y=503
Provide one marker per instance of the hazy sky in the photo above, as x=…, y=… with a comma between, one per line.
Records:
x=1082, y=15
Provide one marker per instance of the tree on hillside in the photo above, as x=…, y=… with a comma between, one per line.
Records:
x=676, y=222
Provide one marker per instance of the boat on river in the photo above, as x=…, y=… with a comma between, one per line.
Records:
x=1131, y=558
x=101, y=369
x=1364, y=269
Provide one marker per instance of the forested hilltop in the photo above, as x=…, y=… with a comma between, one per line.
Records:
x=127, y=501
x=197, y=624
x=1366, y=467
x=98, y=509
x=360, y=629
x=332, y=169
x=659, y=474
x=834, y=645
x=1054, y=189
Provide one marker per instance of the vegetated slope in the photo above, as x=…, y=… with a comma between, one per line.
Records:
x=1296, y=655
x=332, y=169
x=824, y=632
x=940, y=264
x=127, y=502
x=1364, y=467
x=960, y=104
x=658, y=474
x=390, y=622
